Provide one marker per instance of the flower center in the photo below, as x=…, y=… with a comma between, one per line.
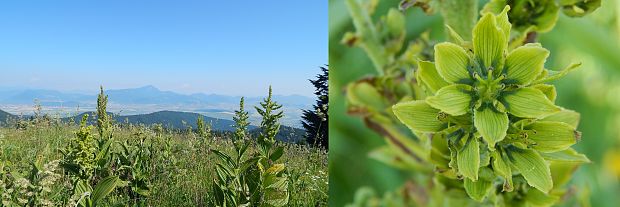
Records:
x=488, y=89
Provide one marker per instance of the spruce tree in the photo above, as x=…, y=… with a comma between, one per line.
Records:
x=103, y=122
x=315, y=121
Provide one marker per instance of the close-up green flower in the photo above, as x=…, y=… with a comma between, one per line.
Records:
x=486, y=97
x=469, y=103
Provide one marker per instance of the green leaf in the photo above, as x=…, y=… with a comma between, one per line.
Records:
x=428, y=75
x=418, y=116
x=489, y=41
x=224, y=157
x=104, y=187
x=502, y=168
x=525, y=63
x=548, y=90
x=551, y=136
x=529, y=103
x=451, y=61
x=468, y=159
x=533, y=168
x=567, y=155
x=477, y=190
x=453, y=99
x=277, y=153
x=491, y=124
x=566, y=116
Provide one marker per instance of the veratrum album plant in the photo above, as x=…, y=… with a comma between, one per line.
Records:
x=484, y=126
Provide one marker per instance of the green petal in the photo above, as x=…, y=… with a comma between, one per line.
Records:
x=533, y=168
x=551, y=136
x=492, y=125
x=428, y=75
x=566, y=116
x=451, y=61
x=529, y=103
x=501, y=168
x=418, y=116
x=548, y=90
x=468, y=159
x=525, y=63
x=503, y=23
x=567, y=155
x=453, y=99
x=489, y=41
x=477, y=190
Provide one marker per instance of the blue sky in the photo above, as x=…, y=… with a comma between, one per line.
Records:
x=224, y=47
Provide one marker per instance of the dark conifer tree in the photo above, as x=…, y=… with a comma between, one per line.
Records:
x=315, y=120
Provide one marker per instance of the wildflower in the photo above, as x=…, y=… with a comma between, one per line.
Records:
x=486, y=97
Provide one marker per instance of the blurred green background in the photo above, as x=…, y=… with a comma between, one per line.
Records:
x=593, y=90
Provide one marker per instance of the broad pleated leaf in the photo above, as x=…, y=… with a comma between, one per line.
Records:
x=502, y=168
x=489, y=41
x=567, y=155
x=525, y=63
x=477, y=190
x=451, y=61
x=492, y=125
x=529, y=103
x=551, y=136
x=104, y=187
x=566, y=116
x=468, y=159
x=418, y=116
x=453, y=99
x=427, y=74
x=533, y=168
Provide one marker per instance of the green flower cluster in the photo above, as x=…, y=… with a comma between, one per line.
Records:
x=541, y=15
x=491, y=115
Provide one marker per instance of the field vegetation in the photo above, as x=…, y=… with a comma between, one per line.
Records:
x=50, y=162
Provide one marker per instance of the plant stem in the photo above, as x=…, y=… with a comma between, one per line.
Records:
x=461, y=15
x=367, y=33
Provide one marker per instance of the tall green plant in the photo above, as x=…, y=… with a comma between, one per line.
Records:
x=103, y=120
x=273, y=178
x=233, y=185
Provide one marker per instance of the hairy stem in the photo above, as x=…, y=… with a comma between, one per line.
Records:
x=369, y=38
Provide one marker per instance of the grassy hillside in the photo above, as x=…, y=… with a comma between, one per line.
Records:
x=4, y=116
x=177, y=168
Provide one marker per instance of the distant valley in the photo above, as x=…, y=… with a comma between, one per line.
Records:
x=145, y=100
x=179, y=121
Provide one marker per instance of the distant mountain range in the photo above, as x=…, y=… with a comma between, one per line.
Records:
x=179, y=120
x=146, y=100
x=143, y=95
